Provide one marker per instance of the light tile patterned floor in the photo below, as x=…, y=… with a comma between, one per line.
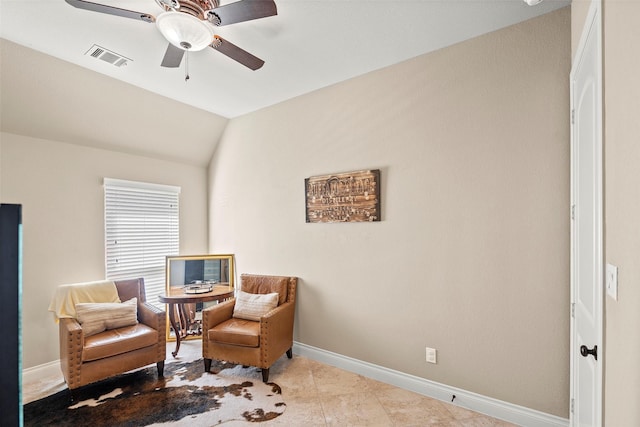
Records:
x=321, y=395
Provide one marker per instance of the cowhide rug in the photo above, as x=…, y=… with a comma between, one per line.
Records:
x=186, y=396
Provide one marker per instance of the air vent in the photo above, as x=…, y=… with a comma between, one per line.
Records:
x=107, y=56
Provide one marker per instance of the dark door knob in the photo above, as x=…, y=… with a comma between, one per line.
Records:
x=585, y=352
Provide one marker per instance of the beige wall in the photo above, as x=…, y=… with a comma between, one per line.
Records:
x=472, y=254
x=621, y=35
x=60, y=188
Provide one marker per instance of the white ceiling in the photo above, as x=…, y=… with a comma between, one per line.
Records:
x=310, y=44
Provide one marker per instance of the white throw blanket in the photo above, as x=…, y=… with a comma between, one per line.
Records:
x=66, y=297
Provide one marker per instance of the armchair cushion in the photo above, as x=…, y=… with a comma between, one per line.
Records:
x=99, y=317
x=254, y=306
x=118, y=341
x=245, y=333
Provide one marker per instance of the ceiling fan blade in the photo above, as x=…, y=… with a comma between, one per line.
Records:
x=245, y=10
x=172, y=57
x=237, y=54
x=110, y=10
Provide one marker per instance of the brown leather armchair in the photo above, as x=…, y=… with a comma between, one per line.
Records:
x=252, y=343
x=85, y=360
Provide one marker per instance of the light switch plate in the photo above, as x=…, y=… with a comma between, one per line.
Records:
x=612, y=281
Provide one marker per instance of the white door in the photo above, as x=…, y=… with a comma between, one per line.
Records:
x=586, y=227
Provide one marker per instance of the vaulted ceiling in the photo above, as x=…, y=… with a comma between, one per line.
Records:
x=308, y=45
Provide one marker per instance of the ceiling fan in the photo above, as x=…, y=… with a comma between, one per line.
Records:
x=188, y=25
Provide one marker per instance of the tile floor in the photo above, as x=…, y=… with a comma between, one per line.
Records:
x=321, y=395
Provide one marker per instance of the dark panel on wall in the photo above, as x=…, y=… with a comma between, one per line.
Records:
x=10, y=260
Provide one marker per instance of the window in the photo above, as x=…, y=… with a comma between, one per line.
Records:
x=141, y=229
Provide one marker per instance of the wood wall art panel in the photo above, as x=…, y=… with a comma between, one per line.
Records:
x=343, y=197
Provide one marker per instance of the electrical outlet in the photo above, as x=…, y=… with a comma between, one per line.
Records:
x=431, y=355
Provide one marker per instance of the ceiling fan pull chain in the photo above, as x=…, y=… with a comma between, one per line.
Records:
x=186, y=66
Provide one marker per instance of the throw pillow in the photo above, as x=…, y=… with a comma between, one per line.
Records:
x=97, y=317
x=254, y=306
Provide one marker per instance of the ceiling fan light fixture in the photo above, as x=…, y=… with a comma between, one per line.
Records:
x=185, y=31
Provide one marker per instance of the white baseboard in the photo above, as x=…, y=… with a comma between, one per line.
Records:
x=486, y=405
x=37, y=373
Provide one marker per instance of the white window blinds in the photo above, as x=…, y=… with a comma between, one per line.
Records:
x=141, y=229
